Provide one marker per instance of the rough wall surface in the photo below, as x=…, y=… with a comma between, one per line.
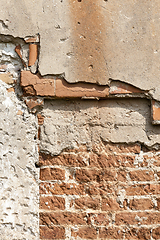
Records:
x=70, y=123
x=18, y=175
x=98, y=158
x=107, y=39
x=109, y=192
x=98, y=180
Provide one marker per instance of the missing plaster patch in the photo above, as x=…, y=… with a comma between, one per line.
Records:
x=10, y=64
x=9, y=60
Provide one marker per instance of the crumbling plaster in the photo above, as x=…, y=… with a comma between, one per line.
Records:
x=128, y=51
x=71, y=123
x=18, y=174
x=19, y=198
x=123, y=38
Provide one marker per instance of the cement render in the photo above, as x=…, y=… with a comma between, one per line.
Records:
x=19, y=197
x=132, y=50
x=18, y=174
x=68, y=124
x=126, y=48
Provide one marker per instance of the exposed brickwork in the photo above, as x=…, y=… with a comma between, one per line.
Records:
x=121, y=88
x=33, y=53
x=36, y=85
x=33, y=102
x=63, y=89
x=155, y=112
x=109, y=192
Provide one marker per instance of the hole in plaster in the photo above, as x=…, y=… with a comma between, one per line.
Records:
x=90, y=67
x=37, y=164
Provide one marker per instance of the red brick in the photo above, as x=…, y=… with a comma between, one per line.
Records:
x=135, y=218
x=86, y=175
x=42, y=86
x=158, y=174
x=158, y=203
x=110, y=233
x=52, y=232
x=47, y=159
x=69, y=159
x=102, y=189
x=64, y=89
x=142, y=175
x=155, y=111
x=63, y=188
x=85, y=233
x=142, y=189
x=109, y=204
x=126, y=161
x=156, y=233
x=62, y=218
x=52, y=174
x=102, y=161
x=29, y=90
x=100, y=175
x=138, y=233
x=32, y=103
x=141, y=204
x=121, y=176
x=33, y=54
x=52, y=203
x=98, y=219
x=18, y=51
x=107, y=175
x=105, y=161
x=87, y=202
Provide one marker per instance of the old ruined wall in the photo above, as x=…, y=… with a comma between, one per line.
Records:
x=97, y=178
x=80, y=115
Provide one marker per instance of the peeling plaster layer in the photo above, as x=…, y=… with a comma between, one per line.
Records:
x=18, y=176
x=9, y=60
x=70, y=123
x=126, y=48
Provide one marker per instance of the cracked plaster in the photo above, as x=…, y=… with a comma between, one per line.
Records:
x=126, y=48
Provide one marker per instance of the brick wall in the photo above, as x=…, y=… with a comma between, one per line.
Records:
x=109, y=192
